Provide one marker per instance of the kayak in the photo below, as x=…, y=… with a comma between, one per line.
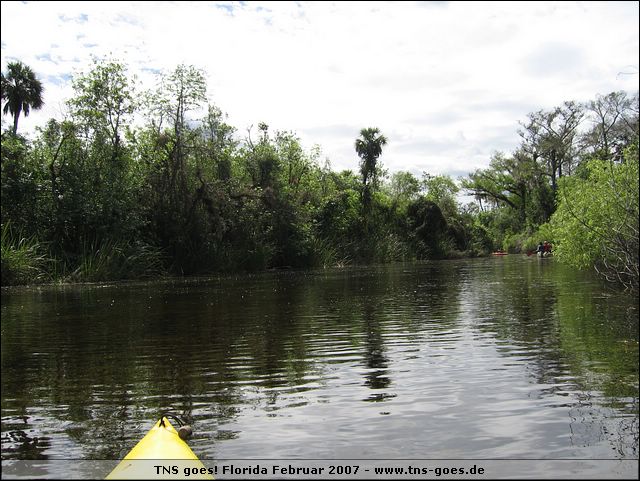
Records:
x=162, y=442
x=500, y=253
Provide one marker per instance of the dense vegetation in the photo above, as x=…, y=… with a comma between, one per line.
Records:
x=100, y=195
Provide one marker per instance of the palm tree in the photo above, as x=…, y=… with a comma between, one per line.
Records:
x=369, y=147
x=22, y=91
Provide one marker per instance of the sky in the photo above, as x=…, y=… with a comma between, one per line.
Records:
x=445, y=82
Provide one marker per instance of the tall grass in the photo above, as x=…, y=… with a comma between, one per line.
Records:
x=101, y=260
x=23, y=260
x=390, y=248
x=323, y=254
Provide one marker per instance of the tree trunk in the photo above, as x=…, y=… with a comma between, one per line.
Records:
x=15, y=121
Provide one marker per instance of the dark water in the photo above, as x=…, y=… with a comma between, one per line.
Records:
x=509, y=357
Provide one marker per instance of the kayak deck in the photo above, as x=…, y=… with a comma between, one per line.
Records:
x=162, y=442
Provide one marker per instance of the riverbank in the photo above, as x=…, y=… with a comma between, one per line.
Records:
x=26, y=268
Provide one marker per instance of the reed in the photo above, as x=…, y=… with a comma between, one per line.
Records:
x=23, y=261
x=109, y=259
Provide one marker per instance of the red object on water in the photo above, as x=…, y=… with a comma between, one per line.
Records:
x=500, y=253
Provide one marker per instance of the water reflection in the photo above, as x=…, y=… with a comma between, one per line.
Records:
x=507, y=357
x=580, y=346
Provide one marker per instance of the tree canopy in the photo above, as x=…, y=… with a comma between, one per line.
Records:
x=139, y=183
x=21, y=91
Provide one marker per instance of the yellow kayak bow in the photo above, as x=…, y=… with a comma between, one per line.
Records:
x=160, y=453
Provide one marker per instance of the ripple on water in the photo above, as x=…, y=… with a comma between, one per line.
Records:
x=483, y=358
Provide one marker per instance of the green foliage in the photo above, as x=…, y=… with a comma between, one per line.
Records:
x=22, y=186
x=550, y=137
x=21, y=90
x=23, y=260
x=339, y=223
x=369, y=148
x=527, y=242
x=612, y=125
x=115, y=260
x=103, y=97
x=518, y=194
x=428, y=229
x=176, y=194
x=442, y=190
x=404, y=188
x=596, y=224
x=503, y=184
x=215, y=156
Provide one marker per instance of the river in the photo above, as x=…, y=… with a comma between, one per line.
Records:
x=495, y=358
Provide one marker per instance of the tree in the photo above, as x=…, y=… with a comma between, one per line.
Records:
x=103, y=103
x=338, y=219
x=262, y=162
x=428, y=227
x=369, y=148
x=442, y=190
x=615, y=124
x=180, y=92
x=404, y=187
x=509, y=185
x=219, y=143
x=499, y=183
x=596, y=223
x=550, y=136
x=21, y=90
x=184, y=90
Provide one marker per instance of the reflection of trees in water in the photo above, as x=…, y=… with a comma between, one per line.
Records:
x=108, y=363
x=406, y=302
x=592, y=423
x=19, y=444
x=577, y=338
x=599, y=344
x=208, y=352
x=376, y=362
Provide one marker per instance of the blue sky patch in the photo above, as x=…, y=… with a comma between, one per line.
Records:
x=82, y=18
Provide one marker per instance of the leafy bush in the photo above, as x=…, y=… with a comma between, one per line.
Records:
x=596, y=223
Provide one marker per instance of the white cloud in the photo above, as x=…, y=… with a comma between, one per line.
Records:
x=446, y=82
